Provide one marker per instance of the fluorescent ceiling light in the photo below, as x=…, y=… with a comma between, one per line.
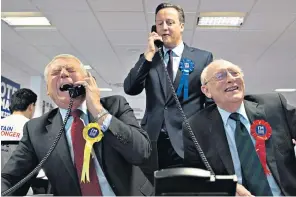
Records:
x=220, y=19
x=87, y=67
x=285, y=90
x=26, y=21
x=105, y=89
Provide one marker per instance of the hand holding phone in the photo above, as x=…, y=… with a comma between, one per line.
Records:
x=154, y=43
x=158, y=43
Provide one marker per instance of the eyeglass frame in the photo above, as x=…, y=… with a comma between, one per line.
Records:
x=240, y=73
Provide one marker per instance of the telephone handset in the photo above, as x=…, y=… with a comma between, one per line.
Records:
x=74, y=91
x=158, y=43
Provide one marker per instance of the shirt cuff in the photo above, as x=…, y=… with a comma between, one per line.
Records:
x=106, y=123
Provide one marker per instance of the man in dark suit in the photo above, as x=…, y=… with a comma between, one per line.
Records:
x=162, y=119
x=123, y=143
x=244, y=135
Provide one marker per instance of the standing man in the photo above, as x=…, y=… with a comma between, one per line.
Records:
x=162, y=119
x=100, y=144
x=22, y=108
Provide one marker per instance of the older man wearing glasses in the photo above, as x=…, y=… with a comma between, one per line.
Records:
x=249, y=136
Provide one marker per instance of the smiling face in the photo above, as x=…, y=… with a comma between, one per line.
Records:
x=169, y=27
x=224, y=83
x=64, y=70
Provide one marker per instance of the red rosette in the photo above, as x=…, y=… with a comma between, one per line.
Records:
x=261, y=131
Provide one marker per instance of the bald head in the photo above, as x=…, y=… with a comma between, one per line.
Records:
x=209, y=71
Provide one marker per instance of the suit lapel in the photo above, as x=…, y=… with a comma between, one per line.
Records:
x=161, y=73
x=217, y=131
x=62, y=149
x=254, y=112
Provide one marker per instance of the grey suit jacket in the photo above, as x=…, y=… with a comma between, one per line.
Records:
x=207, y=126
x=124, y=144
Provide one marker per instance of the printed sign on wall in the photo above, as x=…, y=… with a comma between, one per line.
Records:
x=8, y=87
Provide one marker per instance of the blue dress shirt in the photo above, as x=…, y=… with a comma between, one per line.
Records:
x=229, y=126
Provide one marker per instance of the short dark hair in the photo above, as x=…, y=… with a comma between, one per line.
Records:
x=176, y=7
x=21, y=99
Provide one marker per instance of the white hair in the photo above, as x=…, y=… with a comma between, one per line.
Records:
x=63, y=56
x=204, y=75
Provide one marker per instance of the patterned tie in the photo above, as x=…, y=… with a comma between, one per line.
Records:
x=93, y=187
x=252, y=171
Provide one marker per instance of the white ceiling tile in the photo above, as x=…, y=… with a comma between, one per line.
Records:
x=129, y=54
x=128, y=37
x=17, y=6
x=122, y=20
x=9, y=36
x=190, y=22
x=14, y=61
x=187, y=5
x=116, y=5
x=58, y=6
x=217, y=36
x=268, y=22
x=42, y=37
x=77, y=26
x=52, y=51
x=226, y=5
x=29, y=55
x=281, y=53
x=275, y=6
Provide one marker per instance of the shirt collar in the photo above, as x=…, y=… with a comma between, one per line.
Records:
x=225, y=114
x=82, y=107
x=178, y=50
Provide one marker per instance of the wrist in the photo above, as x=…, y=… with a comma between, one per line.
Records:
x=100, y=116
x=149, y=55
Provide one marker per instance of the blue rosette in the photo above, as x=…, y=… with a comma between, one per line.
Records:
x=186, y=67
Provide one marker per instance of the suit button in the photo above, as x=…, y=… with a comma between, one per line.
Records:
x=166, y=108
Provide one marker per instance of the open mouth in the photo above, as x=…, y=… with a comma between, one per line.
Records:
x=231, y=89
x=65, y=87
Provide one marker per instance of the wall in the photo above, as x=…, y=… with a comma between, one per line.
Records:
x=26, y=80
x=16, y=75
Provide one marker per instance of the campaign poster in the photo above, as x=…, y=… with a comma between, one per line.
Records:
x=8, y=87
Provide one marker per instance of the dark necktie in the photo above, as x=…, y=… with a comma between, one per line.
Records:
x=252, y=170
x=170, y=65
x=91, y=188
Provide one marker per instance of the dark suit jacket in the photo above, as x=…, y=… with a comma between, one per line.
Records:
x=162, y=107
x=208, y=128
x=123, y=144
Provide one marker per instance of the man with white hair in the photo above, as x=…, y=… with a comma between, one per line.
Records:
x=101, y=142
x=249, y=136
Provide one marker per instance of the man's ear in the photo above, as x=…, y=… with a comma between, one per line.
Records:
x=205, y=90
x=182, y=27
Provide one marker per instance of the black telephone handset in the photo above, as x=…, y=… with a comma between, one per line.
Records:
x=157, y=43
x=74, y=91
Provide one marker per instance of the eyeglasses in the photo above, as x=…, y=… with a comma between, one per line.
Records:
x=222, y=75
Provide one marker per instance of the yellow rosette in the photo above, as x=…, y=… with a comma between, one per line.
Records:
x=91, y=133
